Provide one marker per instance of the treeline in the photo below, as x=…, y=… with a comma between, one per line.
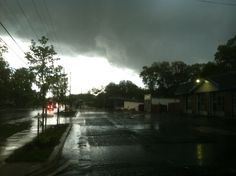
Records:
x=162, y=78
x=43, y=72
x=16, y=85
x=110, y=96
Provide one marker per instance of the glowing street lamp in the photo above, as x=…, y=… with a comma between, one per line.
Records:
x=198, y=81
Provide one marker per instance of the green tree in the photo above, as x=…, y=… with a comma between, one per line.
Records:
x=5, y=75
x=149, y=77
x=195, y=71
x=21, y=84
x=118, y=92
x=129, y=90
x=226, y=55
x=59, y=87
x=41, y=60
x=162, y=78
x=112, y=90
x=210, y=68
x=179, y=73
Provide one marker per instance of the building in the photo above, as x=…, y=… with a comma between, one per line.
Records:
x=212, y=96
x=155, y=104
x=133, y=105
x=120, y=103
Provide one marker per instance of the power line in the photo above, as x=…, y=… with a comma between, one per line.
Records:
x=13, y=51
x=40, y=17
x=52, y=26
x=11, y=9
x=218, y=3
x=49, y=18
x=26, y=17
x=11, y=37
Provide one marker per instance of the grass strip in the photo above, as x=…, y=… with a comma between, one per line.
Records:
x=40, y=148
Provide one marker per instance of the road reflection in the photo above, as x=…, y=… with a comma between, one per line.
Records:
x=122, y=144
x=200, y=154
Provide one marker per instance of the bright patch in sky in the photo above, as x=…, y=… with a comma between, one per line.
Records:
x=95, y=72
x=84, y=72
x=15, y=55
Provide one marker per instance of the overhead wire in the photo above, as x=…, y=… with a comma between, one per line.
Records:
x=4, y=27
x=22, y=60
x=46, y=28
x=53, y=27
x=11, y=37
x=49, y=19
x=36, y=8
x=27, y=19
x=217, y=2
x=11, y=9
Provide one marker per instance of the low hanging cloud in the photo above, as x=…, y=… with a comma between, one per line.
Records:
x=129, y=33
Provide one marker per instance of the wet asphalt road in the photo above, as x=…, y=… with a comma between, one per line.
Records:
x=122, y=144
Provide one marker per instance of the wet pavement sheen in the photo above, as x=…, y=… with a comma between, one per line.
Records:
x=17, y=140
x=122, y=144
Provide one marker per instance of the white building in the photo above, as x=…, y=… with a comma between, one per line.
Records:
x=131, y=105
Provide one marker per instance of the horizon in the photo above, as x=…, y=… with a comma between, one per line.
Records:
x=110, y=41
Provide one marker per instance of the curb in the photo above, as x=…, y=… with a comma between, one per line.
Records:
x=53, y=159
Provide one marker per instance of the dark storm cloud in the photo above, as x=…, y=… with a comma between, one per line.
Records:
x=129, y=33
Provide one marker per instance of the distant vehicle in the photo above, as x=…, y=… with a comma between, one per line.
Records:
x=50, y=108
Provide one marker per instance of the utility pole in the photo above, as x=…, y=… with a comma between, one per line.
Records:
x=70, y=103
x=70, y=84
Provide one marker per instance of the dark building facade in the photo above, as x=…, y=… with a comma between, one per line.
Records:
x=160, y=104
x=212, y=96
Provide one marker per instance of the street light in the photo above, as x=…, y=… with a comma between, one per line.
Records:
x=198, y=81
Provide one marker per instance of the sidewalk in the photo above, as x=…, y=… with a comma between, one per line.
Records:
x=16, y=141
x=22, y=169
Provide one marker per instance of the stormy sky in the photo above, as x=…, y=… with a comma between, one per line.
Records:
x=127, y=33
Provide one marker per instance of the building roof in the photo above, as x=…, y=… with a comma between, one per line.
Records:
x=225, y=81
x=186, y=88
